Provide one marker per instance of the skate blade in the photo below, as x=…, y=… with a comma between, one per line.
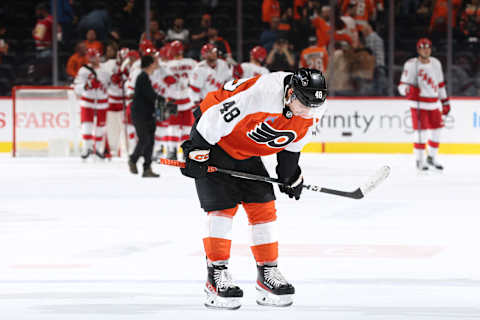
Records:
x=215, y=302
x=265, y=298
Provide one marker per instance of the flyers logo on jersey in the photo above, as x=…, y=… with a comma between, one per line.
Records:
x=265, y=134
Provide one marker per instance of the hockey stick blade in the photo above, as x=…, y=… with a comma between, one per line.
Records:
x=360, y=192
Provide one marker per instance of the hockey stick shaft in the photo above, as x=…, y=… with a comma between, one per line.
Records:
x=359, y=193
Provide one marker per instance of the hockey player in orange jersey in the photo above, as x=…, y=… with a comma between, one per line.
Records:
x=235, y=125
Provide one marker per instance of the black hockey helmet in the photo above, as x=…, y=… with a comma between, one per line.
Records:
x=309, y=86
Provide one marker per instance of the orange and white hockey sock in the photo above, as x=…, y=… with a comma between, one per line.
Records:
x=218, y=239
x=263, y=230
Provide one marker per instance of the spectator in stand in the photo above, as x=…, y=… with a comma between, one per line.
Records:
x=463, y=75
x=362, y=69
x=439, y=20
x=342, y=84
x=350, y=24
x=77, y=60
x=297, y=8
x=314, y=57
x=157, y=36
x=99, y=20
x=302, y=30
x=92, y=42
x=270, y=9
x=470, y=22
x=223, y=47
x=363, y=11
x=178, y=32
x=111, y=51
x=270, y=36
x=375, y=44
x=322, y=27
x=131, y=13
x=280, y=58
x=3, y=42
x=42, y=33
x=65, y=19
x=199, y=38
x=285, y=25
x=409, y=6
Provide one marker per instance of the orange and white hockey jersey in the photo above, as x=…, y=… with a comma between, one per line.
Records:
x=205, y=79
x=251, y=70
x=427, y=78
x=314, y=58
x=245, y=118
x=364, y=11
x=89, y=97
x=179, y=90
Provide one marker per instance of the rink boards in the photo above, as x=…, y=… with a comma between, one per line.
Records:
x=357, y=125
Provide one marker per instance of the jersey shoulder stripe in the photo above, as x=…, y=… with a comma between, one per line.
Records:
x=230, y=89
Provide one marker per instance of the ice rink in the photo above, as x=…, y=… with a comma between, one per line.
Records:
x=91, y=241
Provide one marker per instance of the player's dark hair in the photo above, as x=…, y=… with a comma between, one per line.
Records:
x=146, y=62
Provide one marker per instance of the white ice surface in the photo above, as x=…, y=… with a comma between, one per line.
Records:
x=91, y=241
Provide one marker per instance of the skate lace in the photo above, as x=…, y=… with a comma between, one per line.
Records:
x=223, y=278
x=274, y=277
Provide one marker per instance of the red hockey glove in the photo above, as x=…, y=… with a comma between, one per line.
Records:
x=196, y=161
x=117, y=78
x=96, y=84
x=445, y=109
x=237, y=71
x=294, y=185
x=413, y=93
x=445, y=106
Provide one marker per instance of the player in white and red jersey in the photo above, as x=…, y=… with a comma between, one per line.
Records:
x=116, y=101
x=235, y=126
x=162, y=82
x=131, y=59
x=91, y=85
x=180, y=124
x=254, y=67
x=422, y=82
x=209, y=75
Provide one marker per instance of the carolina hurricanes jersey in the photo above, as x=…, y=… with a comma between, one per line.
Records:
x=129, y=85
x=205, y=79
x=245, y=118
x=115, y=90
x=89, y=97
x=251, y=70
x=428, y=78
x=160, y=80
x=180, y=69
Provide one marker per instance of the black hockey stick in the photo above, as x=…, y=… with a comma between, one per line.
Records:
x=358, y=193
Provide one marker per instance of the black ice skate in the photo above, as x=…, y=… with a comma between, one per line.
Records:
x=272, y=287
x=221, y=292
x=99, y=155
x=434, y=164
x=421, y=166
x=172, y=154
x=87, y=153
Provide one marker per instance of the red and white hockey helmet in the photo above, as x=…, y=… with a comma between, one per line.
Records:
x=92, y=53
x=165, y=52
x=146, y=47
x=207, y=49
x=176, y=48
x=133, y=55
x=424, y=43
x=122, y=54
x=258, y=53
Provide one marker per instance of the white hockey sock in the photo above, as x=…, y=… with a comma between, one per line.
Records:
x=434, y=143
